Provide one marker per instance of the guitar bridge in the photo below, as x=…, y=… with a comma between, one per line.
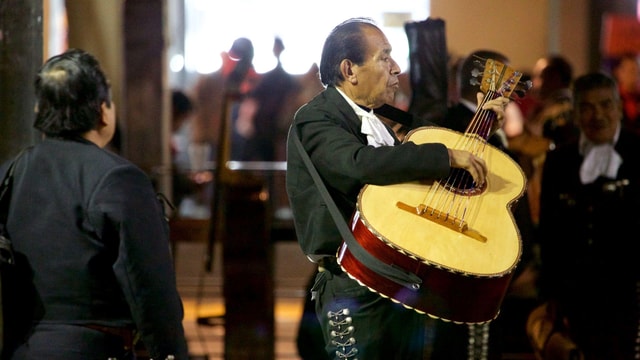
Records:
x=437, y=216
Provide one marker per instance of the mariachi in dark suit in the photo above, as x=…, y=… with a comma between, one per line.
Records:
x=590, y=251
x=330, y=131
x=92, y=255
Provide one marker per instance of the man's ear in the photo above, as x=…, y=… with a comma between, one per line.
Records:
x=105, y=128
x=347, y=70
x=103, y=113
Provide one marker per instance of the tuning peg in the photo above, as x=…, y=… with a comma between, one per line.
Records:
x=523, y=87
x=479, y=62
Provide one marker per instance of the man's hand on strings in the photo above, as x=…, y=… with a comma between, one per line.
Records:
x=497, y=105
x=475, y=165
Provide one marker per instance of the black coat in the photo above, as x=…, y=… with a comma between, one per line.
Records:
x=590, y=253
x=330, y=133
x=92, y=245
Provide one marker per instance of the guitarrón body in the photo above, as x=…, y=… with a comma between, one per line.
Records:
x=489, y=215
x=459, y=239
x=465, y=273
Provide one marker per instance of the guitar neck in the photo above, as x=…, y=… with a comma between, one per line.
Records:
x=482, y=121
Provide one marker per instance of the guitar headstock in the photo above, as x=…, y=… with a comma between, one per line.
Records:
x=499, y=79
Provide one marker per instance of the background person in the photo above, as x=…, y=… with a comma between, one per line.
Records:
x=590, y=268
x=626, y=70
x=237, y=77
x=264, y=111
x=93, y=266
x=548, y=123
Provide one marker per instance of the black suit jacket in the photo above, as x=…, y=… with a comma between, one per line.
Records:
x=590, y=253
x=92, y=245
x=330, y=133
x=587, y=230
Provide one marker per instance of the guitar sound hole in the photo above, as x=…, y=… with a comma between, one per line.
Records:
x=461, y=182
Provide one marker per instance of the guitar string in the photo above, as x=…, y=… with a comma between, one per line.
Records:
x=452, y=204
x=452, y=197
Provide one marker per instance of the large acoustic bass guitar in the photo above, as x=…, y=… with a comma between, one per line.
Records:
x=458, y=237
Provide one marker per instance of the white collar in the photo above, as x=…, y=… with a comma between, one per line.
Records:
x=599, y=159
x=376, y=131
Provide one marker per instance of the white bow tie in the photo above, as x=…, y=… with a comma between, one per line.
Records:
x=376, y=131
x=600, y=160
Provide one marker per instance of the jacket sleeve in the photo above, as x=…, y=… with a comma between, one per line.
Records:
x=144, y=266
x=338, y=153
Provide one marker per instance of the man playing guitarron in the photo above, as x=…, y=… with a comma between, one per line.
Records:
x=351, y=148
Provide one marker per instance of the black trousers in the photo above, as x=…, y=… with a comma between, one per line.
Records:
x=359, y=323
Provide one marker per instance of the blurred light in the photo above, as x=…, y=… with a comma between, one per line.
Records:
x=57, y=28
x=176, y=64
x=302, y=28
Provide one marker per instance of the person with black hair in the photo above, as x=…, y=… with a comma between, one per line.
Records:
x=94, y=272
x=350, y=146
x=589, y=269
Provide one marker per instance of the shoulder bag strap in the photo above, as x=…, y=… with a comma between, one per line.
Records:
x=5, y=189
x=5, y=194
x=6, y=250
x=393, y=273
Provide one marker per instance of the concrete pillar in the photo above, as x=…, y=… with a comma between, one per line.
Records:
x=21, y=23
